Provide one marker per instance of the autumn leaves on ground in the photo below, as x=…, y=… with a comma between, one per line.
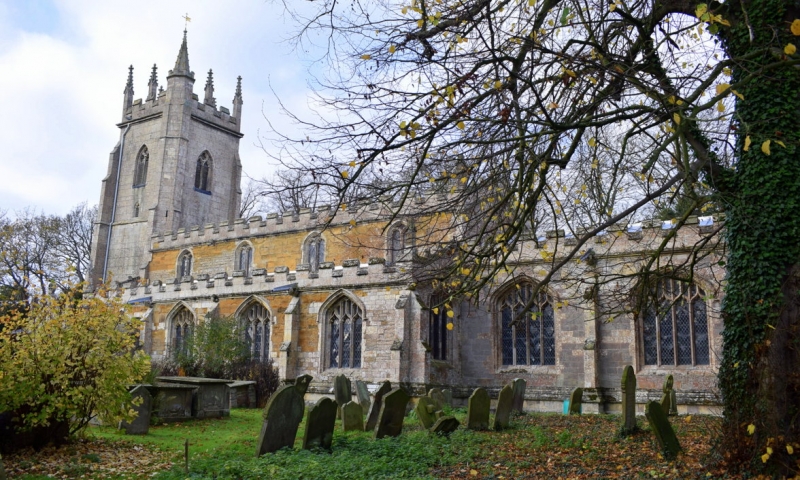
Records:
x=536, y=446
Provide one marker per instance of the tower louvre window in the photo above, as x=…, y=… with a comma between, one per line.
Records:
x=202, y=176
x=140, y=172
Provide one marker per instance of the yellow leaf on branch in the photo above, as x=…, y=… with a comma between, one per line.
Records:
x=765, y=147
x=722, y=87
x=796, y=27
x=592, y=142
x=751, y=429
x=789, y=49
x=746, y=143
x=677, y=118
x=366, y=56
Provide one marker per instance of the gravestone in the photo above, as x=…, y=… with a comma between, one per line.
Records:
x=665, y=436
x=352, y=417
x=301, y=383
x=171, y=402
x=503, y=412
x=342, y=391
x=211, y=397
x=666, y=398
x=518, y=385
x=320, y=421
x=438, y=398
x=628, y=401
x=575, y=401
x=448, y=397
x=445, y=425
x=282, y=416
x=375, y=408
x=478, y=410
x=673, y=404
x=426, y=412
x=393, y=410
x=362, y=393
x=142, y=405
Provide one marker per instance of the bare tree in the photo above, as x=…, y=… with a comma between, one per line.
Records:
x=578, y=115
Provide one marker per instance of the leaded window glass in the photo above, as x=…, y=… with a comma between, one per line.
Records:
x=256, y=322
x=184, y=264
x=675, y=325
x=345, y=324
x=438, y=329
x=202, y=176
x=140, y=171
x=182, y=323
x=527, y=332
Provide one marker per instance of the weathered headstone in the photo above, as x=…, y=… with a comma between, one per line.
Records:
x=673, y=404
x=320, y=421
x=302, y=382
x=282, y=417
x=448, y=397
x=352, y=417
x=393, y=410
x=478, y=410
x=377, y=403
x=503, y=412
x=518, y=385
x=342, y=391
x=666, y=398
x=426, y=412
x=362, y=392
x=438, y=398
x=628, y=401
x=575, y=401
x=665, y=436
x=142, y=405
x=445, y=425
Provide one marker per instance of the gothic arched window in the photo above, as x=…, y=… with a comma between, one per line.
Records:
x=184, y=264
x=244, y=258
x=675, y=325
x=437, y=336
x=181, y=330
x=527, y=334
x=344, y=334
x=398, y=244
x=140, y=171
x=202, y=176
x=136, y=210
x=314, y=251
x=255, y=323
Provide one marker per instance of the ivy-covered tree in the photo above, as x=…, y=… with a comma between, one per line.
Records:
x=67, y=359
x=578, y=114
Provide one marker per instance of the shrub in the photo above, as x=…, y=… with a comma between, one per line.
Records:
x=66, y=359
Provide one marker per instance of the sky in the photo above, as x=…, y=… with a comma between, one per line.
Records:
x=63, y=68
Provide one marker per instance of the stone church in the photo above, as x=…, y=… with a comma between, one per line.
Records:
x=322, y=294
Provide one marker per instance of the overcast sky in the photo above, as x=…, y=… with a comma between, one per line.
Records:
x=63, y=67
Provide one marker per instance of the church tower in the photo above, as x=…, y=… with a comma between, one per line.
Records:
x=176, y=166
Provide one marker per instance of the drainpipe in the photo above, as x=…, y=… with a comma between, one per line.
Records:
x=114, y=205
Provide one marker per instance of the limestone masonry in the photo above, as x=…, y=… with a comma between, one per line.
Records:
x=323, y=295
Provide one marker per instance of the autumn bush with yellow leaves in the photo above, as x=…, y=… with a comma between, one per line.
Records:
x=68, y=358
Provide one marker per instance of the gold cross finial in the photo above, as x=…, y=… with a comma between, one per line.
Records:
x=187, y=20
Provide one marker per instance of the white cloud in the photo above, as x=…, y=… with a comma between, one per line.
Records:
x=61, y=86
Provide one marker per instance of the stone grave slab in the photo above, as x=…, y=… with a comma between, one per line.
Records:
x=302, y=382
x=352, y=417
x=518, y=385
x=445, y=425
x=478, y=410
x=375, y=408
x=665, y=435
x=171, y=402
x=142, y=405
x=342, y=390
x=362, y=393
x=575, y=401
x=320, y=421
x=502, y=415
x=242, y=394
x=282, y=417
x=628, y=401
x=438, y=397
x=426, y=412
x=212, y=398
x=666, y=398
x=448, y=397
x=393, y=410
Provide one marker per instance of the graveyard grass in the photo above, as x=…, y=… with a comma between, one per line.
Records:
x=534, y=445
